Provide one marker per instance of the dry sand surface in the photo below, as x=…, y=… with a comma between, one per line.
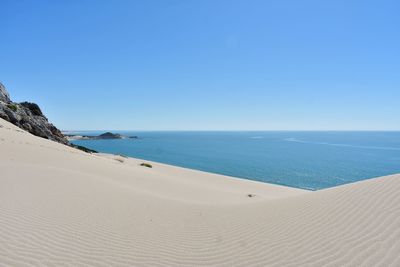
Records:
x=63, y=207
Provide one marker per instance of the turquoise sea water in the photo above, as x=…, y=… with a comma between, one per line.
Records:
x=310, y=160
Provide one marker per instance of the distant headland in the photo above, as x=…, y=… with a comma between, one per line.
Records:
x=107, y=135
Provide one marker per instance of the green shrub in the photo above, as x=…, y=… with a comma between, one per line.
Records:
x=85, y=149
x=12, y=107
x=146, y=165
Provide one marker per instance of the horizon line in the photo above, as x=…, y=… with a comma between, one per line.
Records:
x=316, y=130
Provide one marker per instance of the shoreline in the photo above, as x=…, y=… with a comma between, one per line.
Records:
x=210, y=176
x=236, y=177
x=310, y=166
x=141, y=160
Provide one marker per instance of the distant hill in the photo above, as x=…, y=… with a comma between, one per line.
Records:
x=107, y=135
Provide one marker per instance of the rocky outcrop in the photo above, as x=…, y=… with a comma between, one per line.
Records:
x=29, y=117
x=4, y=96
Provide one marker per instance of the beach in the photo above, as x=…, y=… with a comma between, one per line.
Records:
x=62, y=206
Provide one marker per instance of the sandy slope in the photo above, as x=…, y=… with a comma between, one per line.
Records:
x=60, y=206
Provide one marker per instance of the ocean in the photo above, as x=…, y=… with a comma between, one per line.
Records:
x=308, y=160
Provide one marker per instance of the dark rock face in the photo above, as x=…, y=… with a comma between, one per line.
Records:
x=34, y=108
x=4, y=96
x=29, y=117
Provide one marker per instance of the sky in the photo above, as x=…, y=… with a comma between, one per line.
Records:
x=205, y=64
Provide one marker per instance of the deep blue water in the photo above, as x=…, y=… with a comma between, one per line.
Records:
x=311, y=160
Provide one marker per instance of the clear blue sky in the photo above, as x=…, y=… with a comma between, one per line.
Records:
x=205, y=65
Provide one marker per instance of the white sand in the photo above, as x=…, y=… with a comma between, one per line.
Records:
x=60, y=206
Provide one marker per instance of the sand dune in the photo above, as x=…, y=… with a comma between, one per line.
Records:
x=63, y=207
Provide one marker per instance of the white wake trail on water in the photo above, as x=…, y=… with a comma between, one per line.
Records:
x=341, y=145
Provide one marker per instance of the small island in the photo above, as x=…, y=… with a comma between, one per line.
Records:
x=104, y=136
